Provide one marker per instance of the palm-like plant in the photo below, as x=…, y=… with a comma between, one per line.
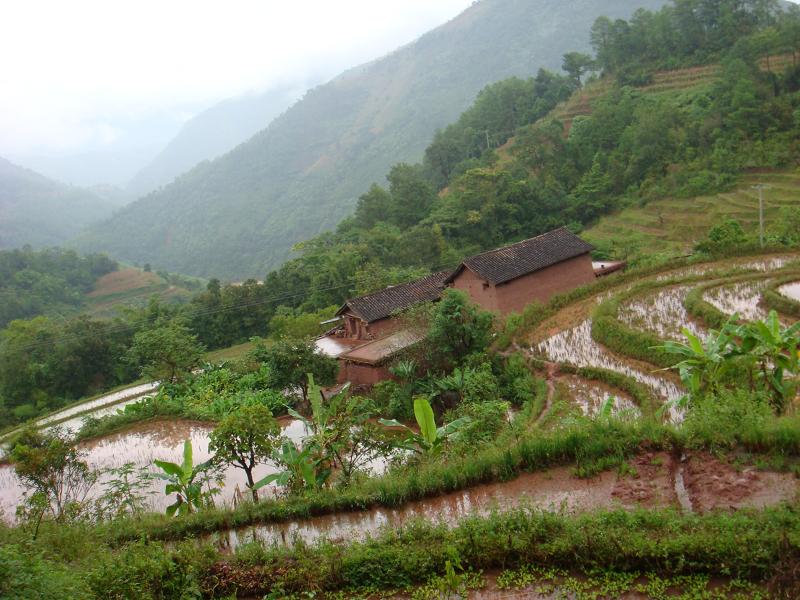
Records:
x=186, y=480
x=300, y=469
x=775, y=350
x=705, y=362
x=430, y=438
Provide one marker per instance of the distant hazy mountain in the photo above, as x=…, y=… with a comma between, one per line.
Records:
x=210, y=134
x=240, y=214
x=38, y=211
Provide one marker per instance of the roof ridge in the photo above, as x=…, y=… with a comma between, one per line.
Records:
x=398, y=285
x=519, y=243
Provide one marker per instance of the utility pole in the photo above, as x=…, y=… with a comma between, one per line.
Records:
x=487, y=139
x=761, y=187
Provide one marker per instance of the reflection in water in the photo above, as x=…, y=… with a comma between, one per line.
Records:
x=108, y=399
x=555, y=489
x=791, y=290
x=742, y=298
x=590, y=396
x=71, y=426
x=576, y=347
x=145, y=442
x=662, y=313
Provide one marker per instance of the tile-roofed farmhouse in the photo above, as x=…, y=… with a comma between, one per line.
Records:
x=528, y=256
x=508, y=279
x=382, y=304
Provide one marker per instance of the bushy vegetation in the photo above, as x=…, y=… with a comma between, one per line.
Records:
x=47, y=281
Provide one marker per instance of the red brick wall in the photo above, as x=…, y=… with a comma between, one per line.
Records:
x=518, y=293
x=543, y=285
x=476, y=289
x=384, y=327
x=359, y=374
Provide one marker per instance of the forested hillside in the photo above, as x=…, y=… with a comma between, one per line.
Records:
x=240, y=215
x=49, y=281
x=210, y=134
x=512, y=166
x=38, y=211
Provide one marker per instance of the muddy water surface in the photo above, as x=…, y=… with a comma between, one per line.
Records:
x=649, y=480
x=146, y=442
x=590, y=396
x=791, y=291
x=661, y=312
x=552, y=490
x=576, y=346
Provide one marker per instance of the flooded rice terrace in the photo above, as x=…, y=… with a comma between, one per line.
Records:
x=791, y=291
x=130, y=393
x=742, y=298
x=652, y=483
x=576, y=347
x=141, y=445
x=589, y=396
x=661, y=312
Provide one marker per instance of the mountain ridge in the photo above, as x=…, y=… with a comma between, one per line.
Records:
x=240, y=214
x=39, y=211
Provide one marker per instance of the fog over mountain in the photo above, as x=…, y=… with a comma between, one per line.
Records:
x=38, y=211
x=240, y=214
x=212, y=133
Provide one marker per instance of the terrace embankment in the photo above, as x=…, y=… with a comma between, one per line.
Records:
x=647, y=480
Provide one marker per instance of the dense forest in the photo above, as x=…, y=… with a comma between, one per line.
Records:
x=47, y=281
x=239, y=216
x=506, y=170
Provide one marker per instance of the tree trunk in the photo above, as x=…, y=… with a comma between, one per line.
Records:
x=251, y=484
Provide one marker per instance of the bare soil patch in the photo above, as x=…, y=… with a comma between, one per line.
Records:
x=123, y=281
x=648, y=482
x=716, y=484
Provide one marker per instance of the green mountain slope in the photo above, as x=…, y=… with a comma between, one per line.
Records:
x=41, y=212
x=240, y=214
x=210, y=134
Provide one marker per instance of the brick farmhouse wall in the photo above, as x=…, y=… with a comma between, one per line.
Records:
x=540, y=286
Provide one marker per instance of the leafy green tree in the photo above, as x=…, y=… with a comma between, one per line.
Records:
x=576, y=65
x=294, y=324
x=724, y=236
x=458, y=329
x=166, y=352
x=290, y=362
x=55, y=474
x=245, y=439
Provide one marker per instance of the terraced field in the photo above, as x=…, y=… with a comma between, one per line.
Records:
x=673, y=226
x=130, y=286
x=567, y=338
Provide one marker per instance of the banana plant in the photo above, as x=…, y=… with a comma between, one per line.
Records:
x=775, y=350
x=186, y=480
x=705, y=361
x=430, y=438
x=300, y=469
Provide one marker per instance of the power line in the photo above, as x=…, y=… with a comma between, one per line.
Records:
x=191, y=315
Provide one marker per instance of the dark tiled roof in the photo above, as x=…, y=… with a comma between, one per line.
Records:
x=380, y=305
x=528, y=256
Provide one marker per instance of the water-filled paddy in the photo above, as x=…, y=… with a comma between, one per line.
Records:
x=141, y=445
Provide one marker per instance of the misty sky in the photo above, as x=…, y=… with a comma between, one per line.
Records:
x=78, y=75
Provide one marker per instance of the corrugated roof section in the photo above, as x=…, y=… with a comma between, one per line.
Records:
x=380, y=305
x=528, y=256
